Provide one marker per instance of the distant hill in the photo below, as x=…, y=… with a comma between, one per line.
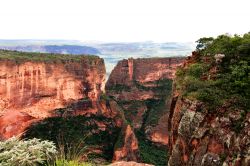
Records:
x=111, y=52
x=144, y=49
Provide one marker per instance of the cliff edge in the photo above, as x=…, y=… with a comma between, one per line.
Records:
x=39, y=85
x=209, y=119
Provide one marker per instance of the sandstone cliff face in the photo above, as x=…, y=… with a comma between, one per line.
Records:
x=139, y=80
x=38, y=88
x=130, y=78
x=203, y=136
x=128, y=149
x=199, y=138
x=142, y=88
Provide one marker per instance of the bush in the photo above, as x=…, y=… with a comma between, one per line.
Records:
x=119, y=88
x=218, y=83
x=150, y=153
x=14, y=152
x=77, y=131
x=196, y=70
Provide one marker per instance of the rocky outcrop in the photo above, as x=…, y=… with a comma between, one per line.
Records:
x=134, y=81
x=142, y=88
x=199, y=138
x=143, y=71
x=37, y=87
x=127, y=149
x=199, y=135
x=14, y=123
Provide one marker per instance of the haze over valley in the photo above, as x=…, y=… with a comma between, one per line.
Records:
x=111, y=52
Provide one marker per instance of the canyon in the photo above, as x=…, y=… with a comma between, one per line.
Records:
x=35, y=90
x=150, y=110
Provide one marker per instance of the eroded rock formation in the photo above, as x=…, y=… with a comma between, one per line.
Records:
x=199, y=138
x=203, y=136
x=37, y=87
x=128, y=148
x=40, y=88
x=142, y=88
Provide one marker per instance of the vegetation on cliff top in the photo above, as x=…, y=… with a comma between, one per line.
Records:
x=43, y=57
x=218, y=73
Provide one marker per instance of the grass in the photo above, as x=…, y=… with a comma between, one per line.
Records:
x=71, y=163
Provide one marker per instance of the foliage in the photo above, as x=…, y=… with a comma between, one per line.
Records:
x=70, y=163
x=119, y=88
x=150, y=153
x=105, y=97
x=44, y=57
x=14, y=152
x=217, y=83
x=78, y=131
x=71, y=150
x=196, y=70
x=156, y=109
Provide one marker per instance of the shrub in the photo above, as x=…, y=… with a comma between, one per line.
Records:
x=150, y=153
x=14, y=152
x=215, y=84
x=119, y=88
x=71, y=132
x=196, y=70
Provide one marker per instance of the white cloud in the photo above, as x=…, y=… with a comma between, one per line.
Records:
x=122, y=20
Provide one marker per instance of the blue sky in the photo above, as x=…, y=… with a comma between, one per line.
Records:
x=122, y=20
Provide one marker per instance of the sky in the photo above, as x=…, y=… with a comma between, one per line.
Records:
x=122, y=20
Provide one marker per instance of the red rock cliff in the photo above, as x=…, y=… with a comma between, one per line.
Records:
x=143, y=70
x=36, y=88
x=142, y=89
x=207, y=138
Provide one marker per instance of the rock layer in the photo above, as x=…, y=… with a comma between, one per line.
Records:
x=143, y=70
x=142, y=88
x=37, y=89
x=128, y=150
x=199, y=136
x=139, y=80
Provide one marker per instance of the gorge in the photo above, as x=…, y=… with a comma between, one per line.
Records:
x=161, y=111
x=38, y=89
